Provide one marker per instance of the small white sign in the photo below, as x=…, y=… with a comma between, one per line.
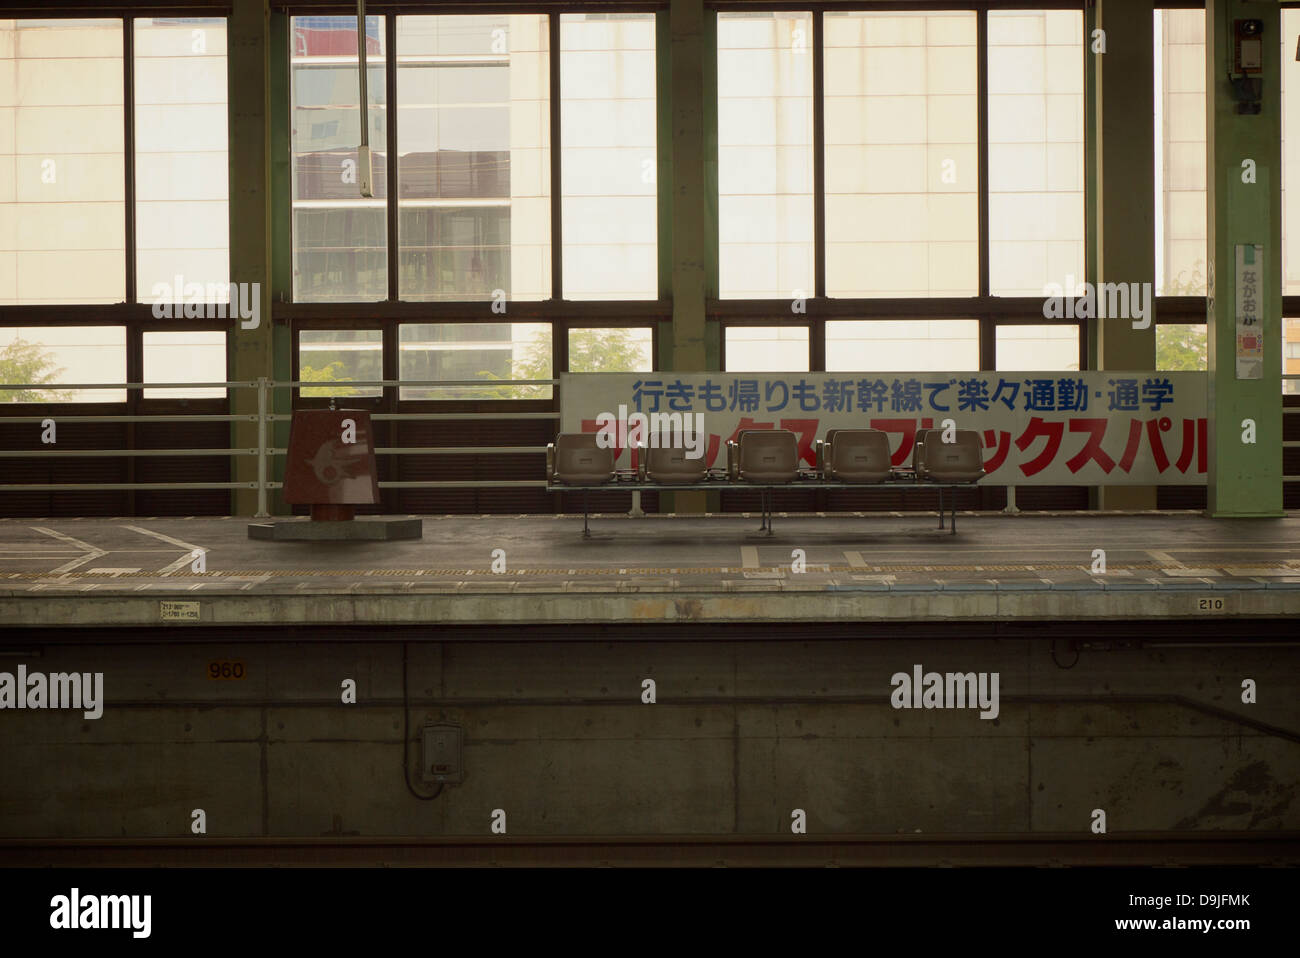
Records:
x=1250, y=322
x=178, y=611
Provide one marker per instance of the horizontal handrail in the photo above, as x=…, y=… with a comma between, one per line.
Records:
x=123, y=486
x=263, y=451
x=288, y=384
x=114, y=453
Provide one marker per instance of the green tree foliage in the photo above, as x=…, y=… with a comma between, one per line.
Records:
x=590, y=351
x=24, y=362
x=1180, y=347
x=329, y=373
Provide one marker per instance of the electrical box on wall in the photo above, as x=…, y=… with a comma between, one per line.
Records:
x=1245, y=76
x=441, y=761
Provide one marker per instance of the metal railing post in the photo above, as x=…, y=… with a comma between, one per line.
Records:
x=262, y=512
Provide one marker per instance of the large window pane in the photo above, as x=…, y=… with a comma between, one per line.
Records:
x=62, y=225
x=767, y=349
x=185, y=356
x=340, y=355
x=902, y=167
x=474, y=157
x=55, y=355
x=765, y=201
x=1028, y=348
x=1290, y=154
x=457, y=352
x=1036, y=214
x=607, y=117
x=902, y=345
x=1291, y=355
x=611, y=350
x=339, y=238
x=1180, y=152
x=181, y=175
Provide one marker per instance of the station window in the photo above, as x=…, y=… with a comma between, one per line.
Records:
x=611, y=350
x=1290, y=153
x=473, y=157
x=339, y=238
x=1033, y=347
x=765, y=155
x=909, y=345
x=1181, y=346
x=902, y=157
x=185, y=356
x=608, y=165
x=339, y=356
x=1036, y=157
x=1180, y=153
x=763, y=349
x=181, y=170
x=63, y=197
x=1291, y=356
x=494, y=353
x=54, y=355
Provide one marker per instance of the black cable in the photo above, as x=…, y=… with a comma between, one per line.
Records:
x=406, y=739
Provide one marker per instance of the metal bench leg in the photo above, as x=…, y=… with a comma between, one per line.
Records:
x=954, y=513
x=771, y=494
x=586, y=532
x=762, y=510
x=941, y=507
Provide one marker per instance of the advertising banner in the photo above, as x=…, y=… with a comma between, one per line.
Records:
x=1037, y=428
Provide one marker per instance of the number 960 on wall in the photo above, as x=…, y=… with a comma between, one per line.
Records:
x=225, y=669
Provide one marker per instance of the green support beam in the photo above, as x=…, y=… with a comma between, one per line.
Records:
x=1245, y=478
x=250, y=352
x=691, y=62
x=1123, y=162
x=281, y=242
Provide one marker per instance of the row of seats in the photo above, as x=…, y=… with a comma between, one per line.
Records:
x=771, y=456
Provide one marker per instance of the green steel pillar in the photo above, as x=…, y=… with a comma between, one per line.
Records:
x=249, y=351
x=691, y=232
x=1123, y=90
x=1243, y=217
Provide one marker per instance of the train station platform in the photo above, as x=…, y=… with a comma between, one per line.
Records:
x=501, y=570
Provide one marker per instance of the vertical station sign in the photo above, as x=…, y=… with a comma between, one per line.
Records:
x=1250, y=332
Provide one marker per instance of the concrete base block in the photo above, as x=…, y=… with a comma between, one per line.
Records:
x=354, y=530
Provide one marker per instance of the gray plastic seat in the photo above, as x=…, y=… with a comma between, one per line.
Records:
x=961, y=460
x=768, y=455
x=672, y=466
x=576, y=460
x=857, y=455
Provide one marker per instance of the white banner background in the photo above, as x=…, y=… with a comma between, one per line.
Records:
x=1147, y=427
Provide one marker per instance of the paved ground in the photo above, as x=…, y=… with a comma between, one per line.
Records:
x=123, y=555
x=700, y=568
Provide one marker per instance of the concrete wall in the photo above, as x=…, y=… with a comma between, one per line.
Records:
x=742, y=733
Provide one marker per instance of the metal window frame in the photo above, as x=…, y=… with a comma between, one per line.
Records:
x=389, y=314
x=990, y=311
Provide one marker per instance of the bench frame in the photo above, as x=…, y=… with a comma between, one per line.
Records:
x=765, y=489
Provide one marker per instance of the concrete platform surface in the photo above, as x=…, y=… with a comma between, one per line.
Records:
x=485, y=569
